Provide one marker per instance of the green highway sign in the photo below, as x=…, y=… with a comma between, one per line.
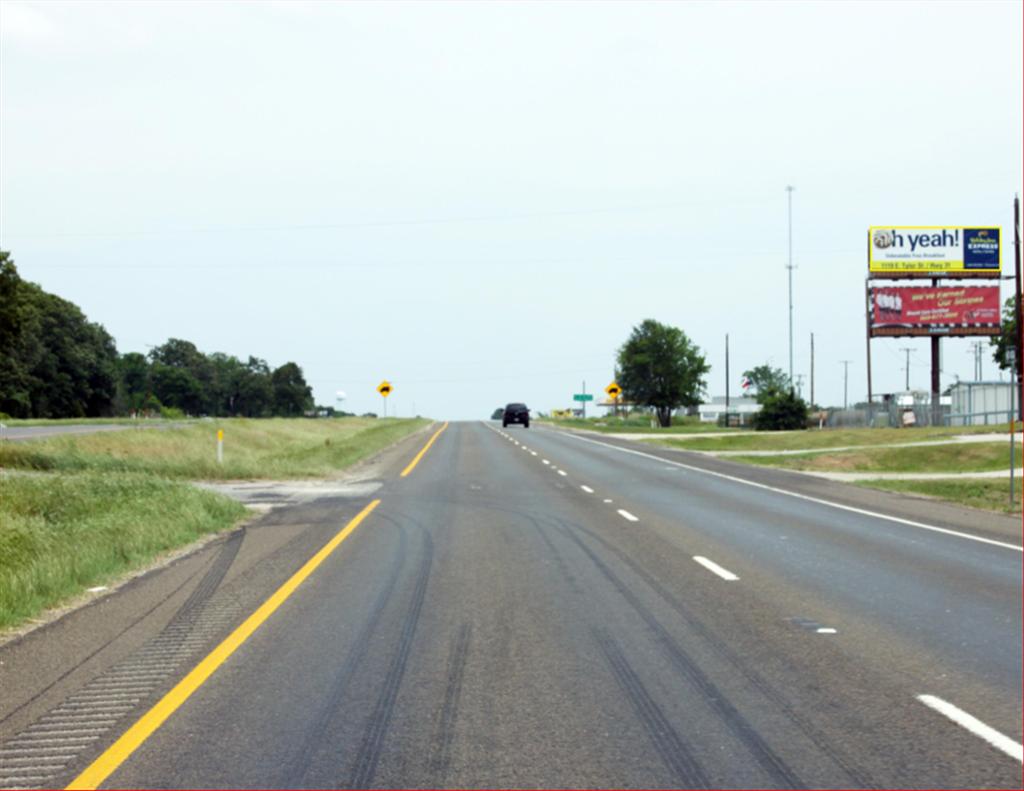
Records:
x=583, y=397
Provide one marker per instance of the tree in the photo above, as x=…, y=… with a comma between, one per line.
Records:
x=766, y=379
x=255, y=391
x=292, y=396
x=1007, y=338
x=660, y=367
x=54, y=362
x=133, y=384
x=781, y=410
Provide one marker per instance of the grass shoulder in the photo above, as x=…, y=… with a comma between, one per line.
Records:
x=61, y=533
x=989, y=495
x=813, y=439
x=973, y=457
x=81, y=510
x=272, y=448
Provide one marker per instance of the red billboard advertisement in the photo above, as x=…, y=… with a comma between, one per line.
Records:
x=934, y=310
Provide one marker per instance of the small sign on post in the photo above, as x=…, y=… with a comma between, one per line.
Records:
x=384, y=388
x=220, y=446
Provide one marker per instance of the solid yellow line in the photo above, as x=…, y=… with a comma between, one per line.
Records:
x=422, y=453
x=100, y=769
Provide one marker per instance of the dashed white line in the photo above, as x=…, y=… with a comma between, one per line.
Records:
x=714, y=568
x=533, y=452
x=627, y=515
x=808, y=498
x=607, y=500
x=826, y=630
x=587, y=489
x=545, y=461
x=562, y=472
x=974, y=725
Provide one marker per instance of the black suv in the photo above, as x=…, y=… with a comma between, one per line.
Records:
x=516, y=413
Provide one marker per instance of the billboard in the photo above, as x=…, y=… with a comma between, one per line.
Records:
x=933, y=310
x=933, y=251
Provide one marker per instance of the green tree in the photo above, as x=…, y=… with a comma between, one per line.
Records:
x=255, y=391
x=177, y=388
x=133, y=385
x=660, y=367
x=292, y=396
x=54, y=362
x=766, y=379
x=183, y=356
x=781, y=410
x=1007, y=338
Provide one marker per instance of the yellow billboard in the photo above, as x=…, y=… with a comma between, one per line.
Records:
x=934, y=250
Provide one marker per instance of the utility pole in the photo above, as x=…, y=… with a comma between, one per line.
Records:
x=799, y=385
x=789, y=266
x=584, y=403
x=727, y=379
x=846, y=379
x=907, y=369
x=812, y=369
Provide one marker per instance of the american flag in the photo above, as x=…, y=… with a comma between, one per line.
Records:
x=745, y=383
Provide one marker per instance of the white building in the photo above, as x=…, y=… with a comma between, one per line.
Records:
x=744, y=406
x=981, y=403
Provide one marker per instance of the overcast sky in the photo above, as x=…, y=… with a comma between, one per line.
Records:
x=478, y=201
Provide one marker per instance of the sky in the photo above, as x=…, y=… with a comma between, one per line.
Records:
x=479, y=201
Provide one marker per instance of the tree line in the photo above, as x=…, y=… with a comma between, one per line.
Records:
x=55, y=363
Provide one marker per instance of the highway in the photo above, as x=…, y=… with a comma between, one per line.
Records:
x=510, y=608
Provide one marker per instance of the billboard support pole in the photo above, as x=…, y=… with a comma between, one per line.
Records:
x=936, y=383
x=1019, y=340
x=867, y=336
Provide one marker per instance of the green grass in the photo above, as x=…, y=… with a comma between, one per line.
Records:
x=976, y=457
x=987, y=494
x=638, y=424
x=266, y=448
x=828, y=438
x=87, y=421
x=60, y=534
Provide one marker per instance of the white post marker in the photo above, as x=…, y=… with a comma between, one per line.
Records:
x=220, y=446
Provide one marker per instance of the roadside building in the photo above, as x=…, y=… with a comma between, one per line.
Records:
x=981, y=403
x=741, y=407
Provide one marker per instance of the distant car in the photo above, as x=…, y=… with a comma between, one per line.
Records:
x=516, y=413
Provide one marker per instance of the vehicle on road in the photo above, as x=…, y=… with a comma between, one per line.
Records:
x=516, y=413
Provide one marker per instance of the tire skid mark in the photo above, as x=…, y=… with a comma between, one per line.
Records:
x=858, y=778
x=766, y=758
x=672, y=749
x=320, y=726
x=441, y=760
x=141, y=671
x=365, y=765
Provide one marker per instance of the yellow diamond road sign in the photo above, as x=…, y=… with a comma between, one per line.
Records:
x=384, y=388
x=613, y=390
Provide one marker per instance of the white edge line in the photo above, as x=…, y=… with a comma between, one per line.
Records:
x=714, y=568
x=975, y=726
x=806, y=497
x=627, y=515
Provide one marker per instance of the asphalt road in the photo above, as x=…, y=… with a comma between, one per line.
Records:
x=530, y=608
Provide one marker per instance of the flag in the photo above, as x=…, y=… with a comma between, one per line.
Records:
x=745, y=383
